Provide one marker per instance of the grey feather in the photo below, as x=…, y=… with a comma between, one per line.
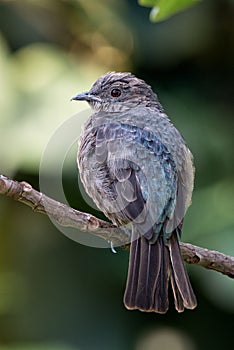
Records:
x=137, y=168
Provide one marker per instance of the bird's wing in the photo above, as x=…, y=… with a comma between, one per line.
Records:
x=143, y=175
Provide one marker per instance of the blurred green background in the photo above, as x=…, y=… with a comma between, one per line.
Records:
x=55, y=293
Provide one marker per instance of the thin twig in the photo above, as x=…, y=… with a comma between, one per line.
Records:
x=67, y=216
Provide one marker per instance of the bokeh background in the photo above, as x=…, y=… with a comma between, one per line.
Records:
x=57, y=294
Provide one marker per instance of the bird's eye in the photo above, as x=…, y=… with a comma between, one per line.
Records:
x=115, y=92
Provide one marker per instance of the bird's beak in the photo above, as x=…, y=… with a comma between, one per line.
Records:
x=85, y=96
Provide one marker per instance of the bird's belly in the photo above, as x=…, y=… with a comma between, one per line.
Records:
x=100, y=186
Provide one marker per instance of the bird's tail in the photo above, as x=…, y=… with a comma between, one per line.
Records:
x=151, y=267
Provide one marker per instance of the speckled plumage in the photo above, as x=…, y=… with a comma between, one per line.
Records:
x=137, y=168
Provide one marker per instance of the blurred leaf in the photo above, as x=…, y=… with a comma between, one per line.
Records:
x=210, y=220
x=12, y=291
x=37, y=84
x=163, y=9
x=36, y=346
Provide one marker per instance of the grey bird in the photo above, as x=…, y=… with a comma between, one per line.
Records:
x=136, y=167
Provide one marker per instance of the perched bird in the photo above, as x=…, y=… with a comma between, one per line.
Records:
x=136, y=167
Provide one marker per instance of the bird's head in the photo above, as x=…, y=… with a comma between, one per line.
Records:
x=116, y=92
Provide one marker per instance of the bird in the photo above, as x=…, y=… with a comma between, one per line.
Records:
x=138, y=170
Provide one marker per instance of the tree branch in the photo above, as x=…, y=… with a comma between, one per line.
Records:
x=67, y=216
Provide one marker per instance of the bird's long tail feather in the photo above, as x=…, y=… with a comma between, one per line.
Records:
x=151, y=267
